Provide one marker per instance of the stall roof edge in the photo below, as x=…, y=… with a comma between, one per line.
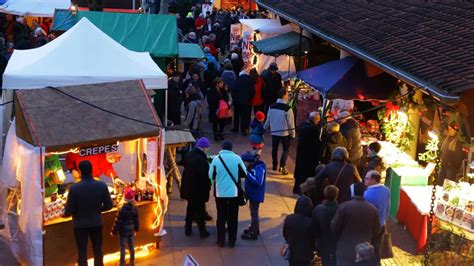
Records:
x=52, y=119
x=397, y=44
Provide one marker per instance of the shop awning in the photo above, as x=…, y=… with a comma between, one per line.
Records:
x=156, y=34
x=34, y=8
x=49, y=118
x=283, y=44
x=190, y=51
x=349, y=79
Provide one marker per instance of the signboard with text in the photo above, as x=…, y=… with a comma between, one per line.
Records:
x=235, y=34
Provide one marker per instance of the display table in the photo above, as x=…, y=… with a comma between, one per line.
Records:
x=414, y=212
x=403, y=176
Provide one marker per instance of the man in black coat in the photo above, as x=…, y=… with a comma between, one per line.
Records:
x=195, y=186
x=85, y=202
x=242, y=95
x=326, y=241
x=175, y=97
x=272, y=85
x=308, y=153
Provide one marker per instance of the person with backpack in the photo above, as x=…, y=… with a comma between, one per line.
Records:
x=219, y=108
x=254, y=191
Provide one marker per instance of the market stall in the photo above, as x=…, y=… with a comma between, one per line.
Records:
x=258, y=29
x=72, y=59
x=55, y=129
x=454, y=210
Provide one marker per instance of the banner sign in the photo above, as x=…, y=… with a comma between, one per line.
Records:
x=247, y=51
x=98, y=150
x=235, y=34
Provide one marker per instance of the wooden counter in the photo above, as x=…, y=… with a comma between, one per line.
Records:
x=60, y=246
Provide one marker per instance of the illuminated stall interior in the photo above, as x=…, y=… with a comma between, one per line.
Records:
x=115, y=127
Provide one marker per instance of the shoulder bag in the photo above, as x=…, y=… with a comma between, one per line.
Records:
x=326, y=182
x=240, y=192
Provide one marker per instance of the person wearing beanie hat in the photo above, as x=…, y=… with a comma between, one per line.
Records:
x=451, y=154
x=256, y=132
x=85, y=202
x=356, y=221
x=195, y=187
x=225, y=172
x=254, y=191
x=126, y=224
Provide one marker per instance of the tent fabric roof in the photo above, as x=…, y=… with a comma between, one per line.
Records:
x=428, y=42
x=283, y=44
x=46, y=117
x=265, y=25
x=82, y=55
x=34, y=8
x=349, y=79
x=156, y=34
x=190, y=50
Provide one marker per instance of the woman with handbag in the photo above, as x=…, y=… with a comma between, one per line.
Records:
x=299, y=234
x=339, y=172
x=219, y=108
x=225, y=173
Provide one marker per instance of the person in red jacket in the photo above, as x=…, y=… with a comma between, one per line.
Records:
x=199, y=22
x=99, y=162
x=257, y=100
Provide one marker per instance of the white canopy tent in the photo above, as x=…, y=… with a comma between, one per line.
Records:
x=82, y=55
x=267, y=28
x=34, y=8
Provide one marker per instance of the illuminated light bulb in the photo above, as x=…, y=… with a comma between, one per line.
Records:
x=433, y=135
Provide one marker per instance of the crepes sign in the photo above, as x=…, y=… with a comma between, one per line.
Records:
x=89, y=151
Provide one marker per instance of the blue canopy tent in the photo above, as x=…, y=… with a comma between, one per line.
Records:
x=348, y=79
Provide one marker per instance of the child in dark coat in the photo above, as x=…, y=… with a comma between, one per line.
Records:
x=256, y=132
x=126, y=224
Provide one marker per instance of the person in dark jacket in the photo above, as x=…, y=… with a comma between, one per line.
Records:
x=374, y=161
x=322, y=215
x=332, y=139
x=216, y=94
x=126, y=224
x=195, y=187
x=85, y=202
x=242, y=95
x=210, y=74
x=175, y=97
x=272, y=85
x=228, y=76
x=254, y=191
x=297, y=231
x=351, y=131
x=308, y=150
x=341, y=173
x=196, y=80
x=451, y=155
x=309, y=189
x=355, y=222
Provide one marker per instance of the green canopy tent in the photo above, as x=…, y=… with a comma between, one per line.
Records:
x=283, y=44
x=190, y=51
x=156, y=34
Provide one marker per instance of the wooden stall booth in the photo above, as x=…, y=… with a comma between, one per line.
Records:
x=115, y=127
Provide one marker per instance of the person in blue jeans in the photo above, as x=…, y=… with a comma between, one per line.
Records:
x=126, y=224
x=254, y=191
